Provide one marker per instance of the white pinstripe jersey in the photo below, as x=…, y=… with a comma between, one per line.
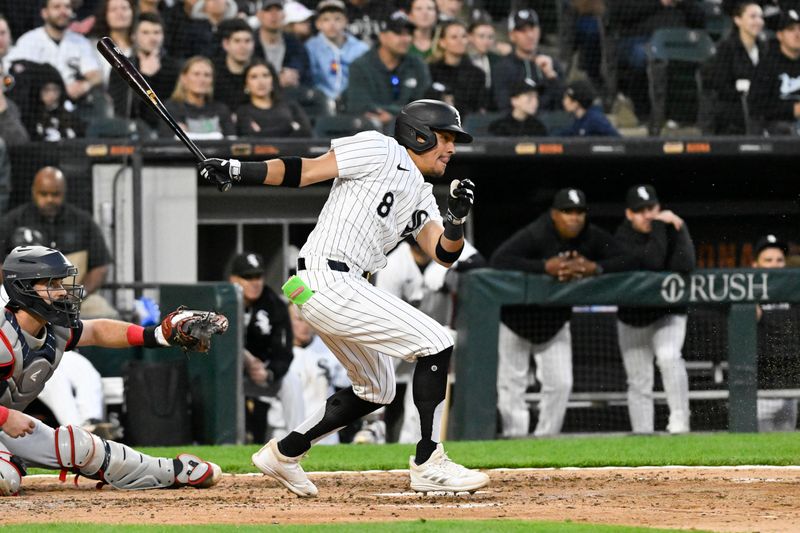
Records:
x=379, y=198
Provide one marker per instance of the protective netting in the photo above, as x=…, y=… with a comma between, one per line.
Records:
x=598, y=401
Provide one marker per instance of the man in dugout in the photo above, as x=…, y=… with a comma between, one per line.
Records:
x=562, y=244
x=659, y=240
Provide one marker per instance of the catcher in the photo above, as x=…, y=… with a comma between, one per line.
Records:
x=41, y=321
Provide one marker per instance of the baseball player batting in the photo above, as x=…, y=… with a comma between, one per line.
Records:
x=378, y=197
x=41, y=321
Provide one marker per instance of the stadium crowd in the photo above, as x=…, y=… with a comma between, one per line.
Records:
x=276, y=68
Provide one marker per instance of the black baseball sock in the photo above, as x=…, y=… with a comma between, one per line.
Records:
x=430, y=386
x=341, y=408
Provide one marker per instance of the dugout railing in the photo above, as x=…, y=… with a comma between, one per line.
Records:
x=732, y=292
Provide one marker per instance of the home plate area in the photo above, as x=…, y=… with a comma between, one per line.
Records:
x=718, y=499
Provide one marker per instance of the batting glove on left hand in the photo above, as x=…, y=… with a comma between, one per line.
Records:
x=459, y=203
x=221, y=172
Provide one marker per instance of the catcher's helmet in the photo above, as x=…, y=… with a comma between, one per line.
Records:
x=421, y=118
x=26, y=265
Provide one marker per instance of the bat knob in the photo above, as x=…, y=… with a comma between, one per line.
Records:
x=224, y=187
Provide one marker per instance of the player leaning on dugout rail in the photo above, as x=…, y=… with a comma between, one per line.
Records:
x=41, y=320
x=379, y=196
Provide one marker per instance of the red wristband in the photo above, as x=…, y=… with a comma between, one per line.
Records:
x=135, y=335
x=3, y=415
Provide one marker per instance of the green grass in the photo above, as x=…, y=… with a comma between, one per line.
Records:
x=419, y=526
x=717, y=449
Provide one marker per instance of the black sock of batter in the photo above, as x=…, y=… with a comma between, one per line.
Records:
x=430, y=386
x=341, y=408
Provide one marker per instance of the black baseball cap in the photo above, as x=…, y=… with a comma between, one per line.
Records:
x=397, y=22
x=569, y=198
x=641, y=196
x=788, y=18
x=266, y=4
x=522, y=18
x=582, y=92
x=770, y=241
x=526, y=85
x=247, y=264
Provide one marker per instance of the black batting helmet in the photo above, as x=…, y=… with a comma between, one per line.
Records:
x=25, y=266
x=421, y=118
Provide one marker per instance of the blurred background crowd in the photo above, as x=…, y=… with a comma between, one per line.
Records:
x=275, y=68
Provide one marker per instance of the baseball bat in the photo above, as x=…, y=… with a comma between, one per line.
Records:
x=123, y=66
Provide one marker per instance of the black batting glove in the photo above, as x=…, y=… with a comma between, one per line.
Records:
x=459, y=203
x=221, y=172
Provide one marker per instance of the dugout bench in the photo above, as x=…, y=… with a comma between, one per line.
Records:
x=482, y=293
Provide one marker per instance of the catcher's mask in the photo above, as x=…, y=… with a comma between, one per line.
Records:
x=55, y=301
x=421, y=118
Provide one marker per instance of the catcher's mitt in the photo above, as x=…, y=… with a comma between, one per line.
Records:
x=192, y=330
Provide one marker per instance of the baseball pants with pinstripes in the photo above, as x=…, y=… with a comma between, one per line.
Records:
x=365, y=327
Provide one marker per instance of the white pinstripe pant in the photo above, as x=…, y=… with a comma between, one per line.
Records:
x=662, y=340
x=365, y=326
x=553, y=370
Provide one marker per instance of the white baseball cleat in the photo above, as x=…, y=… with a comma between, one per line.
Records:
x=440, y=474
x=197, y=473
x=286, y=470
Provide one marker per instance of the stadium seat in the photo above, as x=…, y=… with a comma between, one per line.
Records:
x=718, y=23
x=673, y=72
x=555, y=121
x=118, y=128
x=477, y=124
x=329, y=127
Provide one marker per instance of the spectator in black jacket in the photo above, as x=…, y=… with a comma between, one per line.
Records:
x=521, y=121
x=658, y=240
x=267, y=114
x=774, y=96
x=238, y=44
x=728, y=74
x=193, y=106
x=455, y=79
x=286, y=53
x=527, y=62
x=562, y=245
x=159, y=69
x=482, y=52
x=267, y=352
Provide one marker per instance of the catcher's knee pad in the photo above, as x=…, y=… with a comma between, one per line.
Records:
x=10, y=475
x=112, y=462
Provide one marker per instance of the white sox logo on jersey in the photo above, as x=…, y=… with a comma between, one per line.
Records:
x=418, y=219
x=262, y=322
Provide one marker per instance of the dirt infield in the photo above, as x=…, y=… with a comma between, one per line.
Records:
x=718, y=499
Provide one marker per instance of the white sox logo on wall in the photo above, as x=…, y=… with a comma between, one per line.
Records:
x=727, y=287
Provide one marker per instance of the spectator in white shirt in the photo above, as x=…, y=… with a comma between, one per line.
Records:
x=69, y=52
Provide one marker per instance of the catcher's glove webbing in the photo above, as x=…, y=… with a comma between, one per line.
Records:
x=192, y=330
